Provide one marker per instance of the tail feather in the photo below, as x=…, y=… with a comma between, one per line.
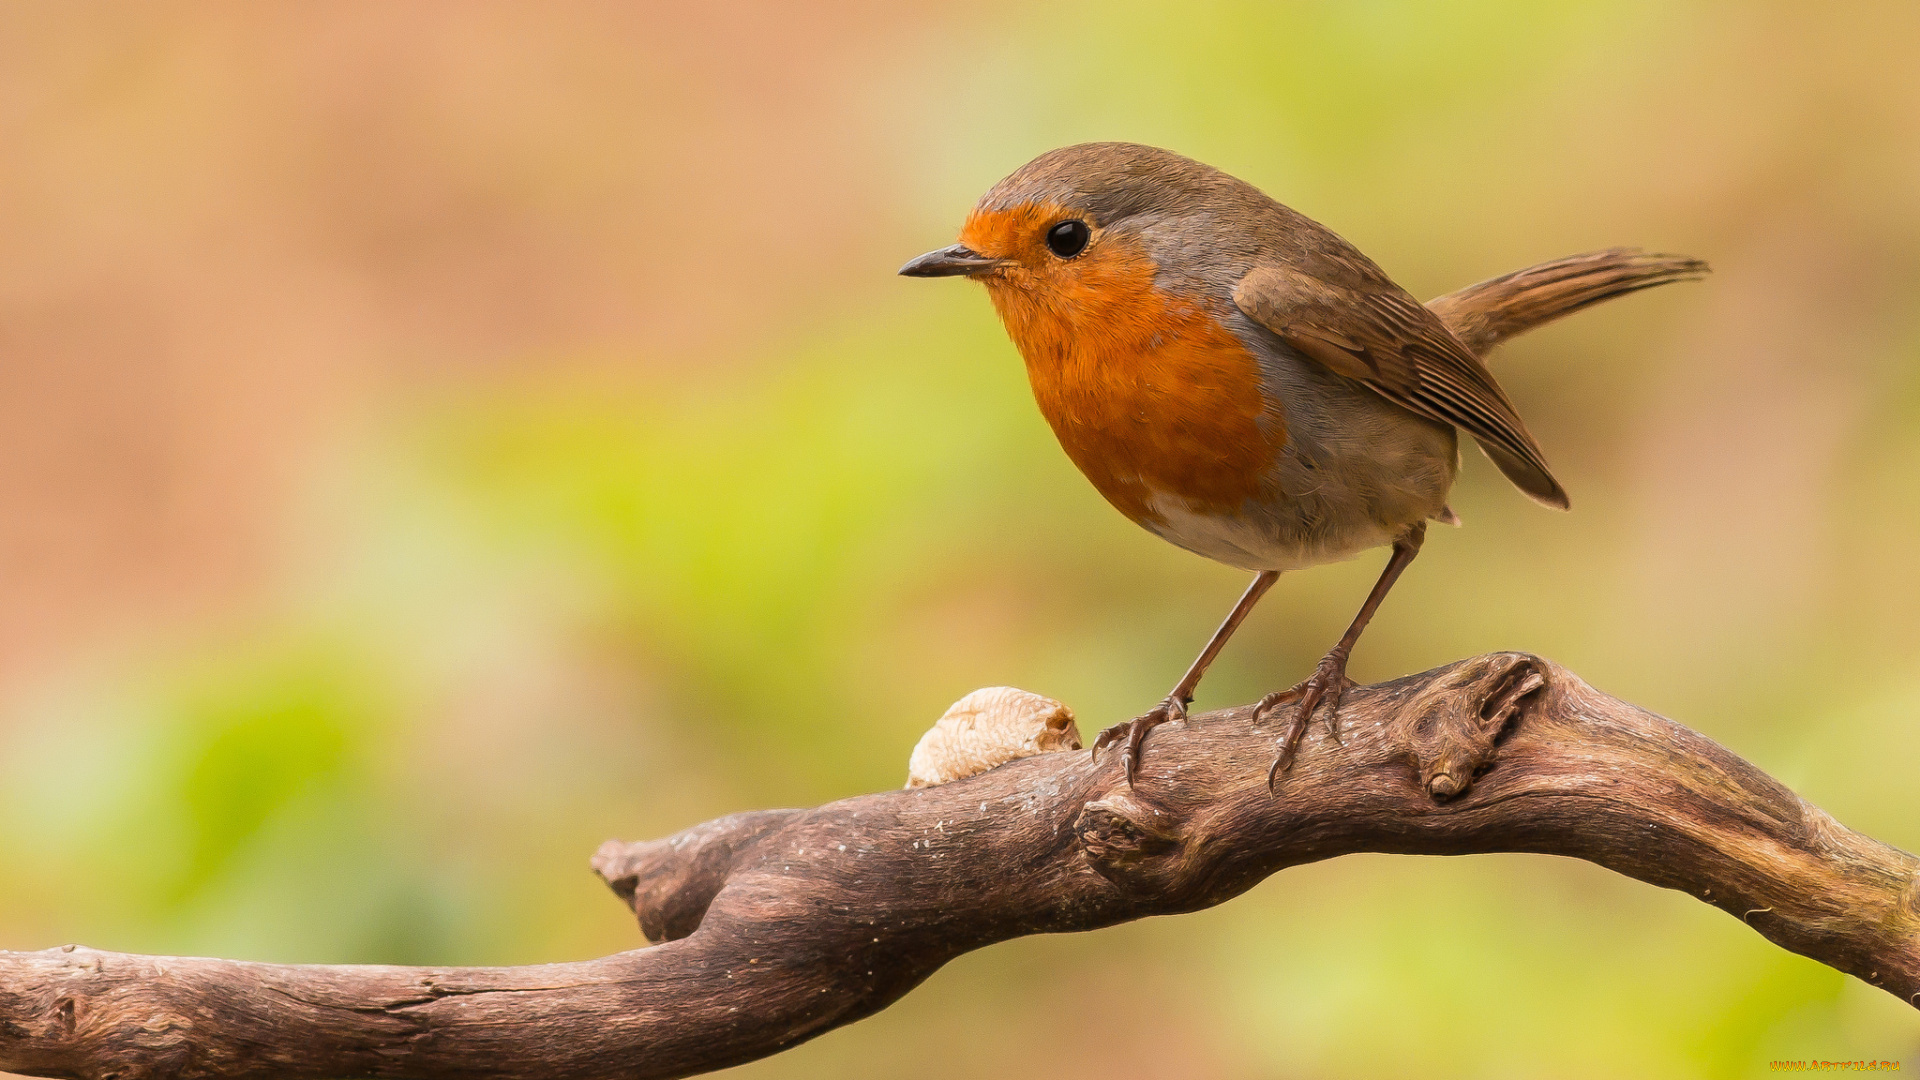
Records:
x=1487, y=314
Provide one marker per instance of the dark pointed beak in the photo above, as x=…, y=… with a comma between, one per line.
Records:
x=950, y=262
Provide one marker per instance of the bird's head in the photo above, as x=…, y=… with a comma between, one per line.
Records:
x=1077, y=234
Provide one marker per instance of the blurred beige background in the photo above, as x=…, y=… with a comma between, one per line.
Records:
x=437, y=437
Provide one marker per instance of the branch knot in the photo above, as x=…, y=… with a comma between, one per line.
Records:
x=1459, y=719
x=1125, y=837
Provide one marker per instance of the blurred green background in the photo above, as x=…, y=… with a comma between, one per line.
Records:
x=435, y=438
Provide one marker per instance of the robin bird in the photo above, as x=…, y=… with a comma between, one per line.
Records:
x=1240, y=381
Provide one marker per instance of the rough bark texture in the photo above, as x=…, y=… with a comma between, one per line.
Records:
x=780, y=925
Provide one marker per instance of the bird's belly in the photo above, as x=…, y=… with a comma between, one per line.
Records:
x=1256, y=459
x=1324, y=499
x=1275, y=538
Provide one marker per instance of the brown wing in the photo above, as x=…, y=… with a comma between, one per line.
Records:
x=1368, y=329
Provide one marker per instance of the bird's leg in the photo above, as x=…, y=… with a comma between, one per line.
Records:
x=1134, y=731
x=1329, y=680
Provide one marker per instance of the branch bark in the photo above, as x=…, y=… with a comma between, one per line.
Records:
x=778, y=926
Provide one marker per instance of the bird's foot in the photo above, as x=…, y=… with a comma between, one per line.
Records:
x=1327, y=685
x=1133, y=733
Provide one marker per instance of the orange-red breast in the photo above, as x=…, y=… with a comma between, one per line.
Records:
x=1242, y=382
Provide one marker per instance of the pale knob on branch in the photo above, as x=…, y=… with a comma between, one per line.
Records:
x=990, y=727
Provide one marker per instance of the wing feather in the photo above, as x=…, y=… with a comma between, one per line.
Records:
x=1363, y=327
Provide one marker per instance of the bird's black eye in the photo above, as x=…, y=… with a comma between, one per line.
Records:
x=1069, y=238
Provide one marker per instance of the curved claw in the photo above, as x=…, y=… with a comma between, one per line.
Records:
x=1134, y=731
x=1327, y=684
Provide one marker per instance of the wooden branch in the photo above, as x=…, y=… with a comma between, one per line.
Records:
x=779, y=926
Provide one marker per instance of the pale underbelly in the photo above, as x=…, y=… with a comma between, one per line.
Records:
x=1321, y=514
x=1260, y=542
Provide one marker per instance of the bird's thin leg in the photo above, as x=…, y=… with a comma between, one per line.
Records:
x=1329, y=682
x=1175, y=706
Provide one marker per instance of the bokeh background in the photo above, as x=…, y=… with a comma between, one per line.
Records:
x=437, y=437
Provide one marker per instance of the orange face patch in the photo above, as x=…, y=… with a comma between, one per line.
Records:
x=1148, y=393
